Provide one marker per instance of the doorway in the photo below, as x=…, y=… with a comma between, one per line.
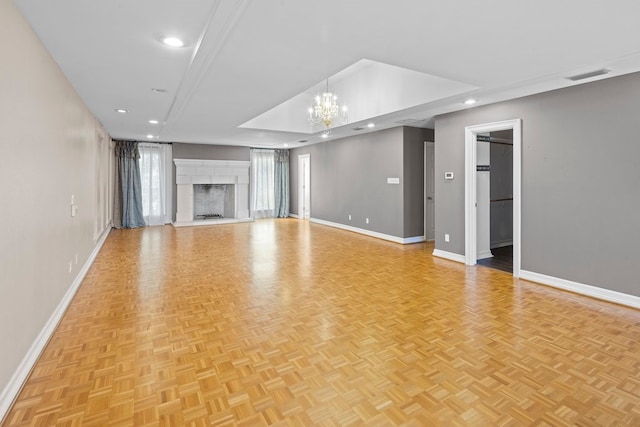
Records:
x=472, y=206
x=495, y=200
x=304, y=186
x=429, y=192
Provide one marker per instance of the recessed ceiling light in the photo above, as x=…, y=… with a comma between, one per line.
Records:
x=370, y=125
x=158, y=90
x=470, y=101
x=286, y=145
x=121, y=111
x=325, y=135
x=173, y=42
x=150, y=136
x=154, y=122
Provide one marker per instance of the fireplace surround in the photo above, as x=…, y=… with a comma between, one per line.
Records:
x=234, y=173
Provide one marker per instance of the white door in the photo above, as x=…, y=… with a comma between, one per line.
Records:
x=429, y=191
x=304, y=186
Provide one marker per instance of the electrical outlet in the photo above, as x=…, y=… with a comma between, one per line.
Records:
x=446, y=238
x=367, y=220
x=349, y=217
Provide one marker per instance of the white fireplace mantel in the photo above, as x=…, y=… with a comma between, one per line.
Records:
x=190, y=172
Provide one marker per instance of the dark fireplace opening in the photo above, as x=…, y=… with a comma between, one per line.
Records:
x=213, y=201
x=209, y=216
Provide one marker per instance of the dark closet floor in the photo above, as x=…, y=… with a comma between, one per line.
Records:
x=502, y=259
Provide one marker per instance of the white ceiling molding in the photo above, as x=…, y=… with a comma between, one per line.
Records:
x=369, y=89
x=221, y=21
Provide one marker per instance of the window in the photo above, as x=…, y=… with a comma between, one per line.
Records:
x=155, y=180
x=262, y=183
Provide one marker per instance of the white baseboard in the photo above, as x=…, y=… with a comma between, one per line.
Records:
x=484, y=254
x=580, y=288
x=292, y=215
x=14, y=386
x=410, y=240
x=449, y=255
x=395, y=239
x=501, y=244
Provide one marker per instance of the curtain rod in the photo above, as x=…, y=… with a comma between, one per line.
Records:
x=142, y=142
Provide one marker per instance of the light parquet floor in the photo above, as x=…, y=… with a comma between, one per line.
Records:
x=283, y=322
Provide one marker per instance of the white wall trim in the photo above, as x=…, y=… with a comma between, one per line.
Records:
x=292, y=215
x=449, y=255
x=302, y=180
x=395, y=239
x=485, y=254
x=410, y=240
x=501, y=244
x=470, y=208
x=581, y=288
x=21, y=374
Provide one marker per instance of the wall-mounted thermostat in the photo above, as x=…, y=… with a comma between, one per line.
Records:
x=448, y=175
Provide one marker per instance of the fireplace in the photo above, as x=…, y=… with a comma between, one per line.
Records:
x=213, y=201
x=211, y=191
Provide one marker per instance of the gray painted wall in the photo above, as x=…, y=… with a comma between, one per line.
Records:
x=209, y=152
x=349, y=177
x=413, y=178
x=203, y=152
x=580, y=179
x=50, y=150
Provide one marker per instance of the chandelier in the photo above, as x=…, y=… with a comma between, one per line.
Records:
x=326, y=109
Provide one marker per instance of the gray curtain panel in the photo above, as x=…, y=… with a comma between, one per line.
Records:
x=128, y=201
x=281, y=181
x=117, y=193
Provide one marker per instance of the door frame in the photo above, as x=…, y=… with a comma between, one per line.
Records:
x=470, y=189
x=427, y=179
x=301, y=179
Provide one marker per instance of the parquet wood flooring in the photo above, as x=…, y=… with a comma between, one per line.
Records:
x=287, y=323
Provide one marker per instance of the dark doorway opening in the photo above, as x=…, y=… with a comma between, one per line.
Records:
x=502, y=259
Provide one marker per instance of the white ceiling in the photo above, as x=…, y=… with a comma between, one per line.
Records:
x=245, y=58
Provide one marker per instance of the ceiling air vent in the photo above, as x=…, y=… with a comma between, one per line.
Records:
x=304, y=140
x=590, y=74
x=360, y=128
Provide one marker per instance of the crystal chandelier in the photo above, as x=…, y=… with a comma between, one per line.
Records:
x=326, y=109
